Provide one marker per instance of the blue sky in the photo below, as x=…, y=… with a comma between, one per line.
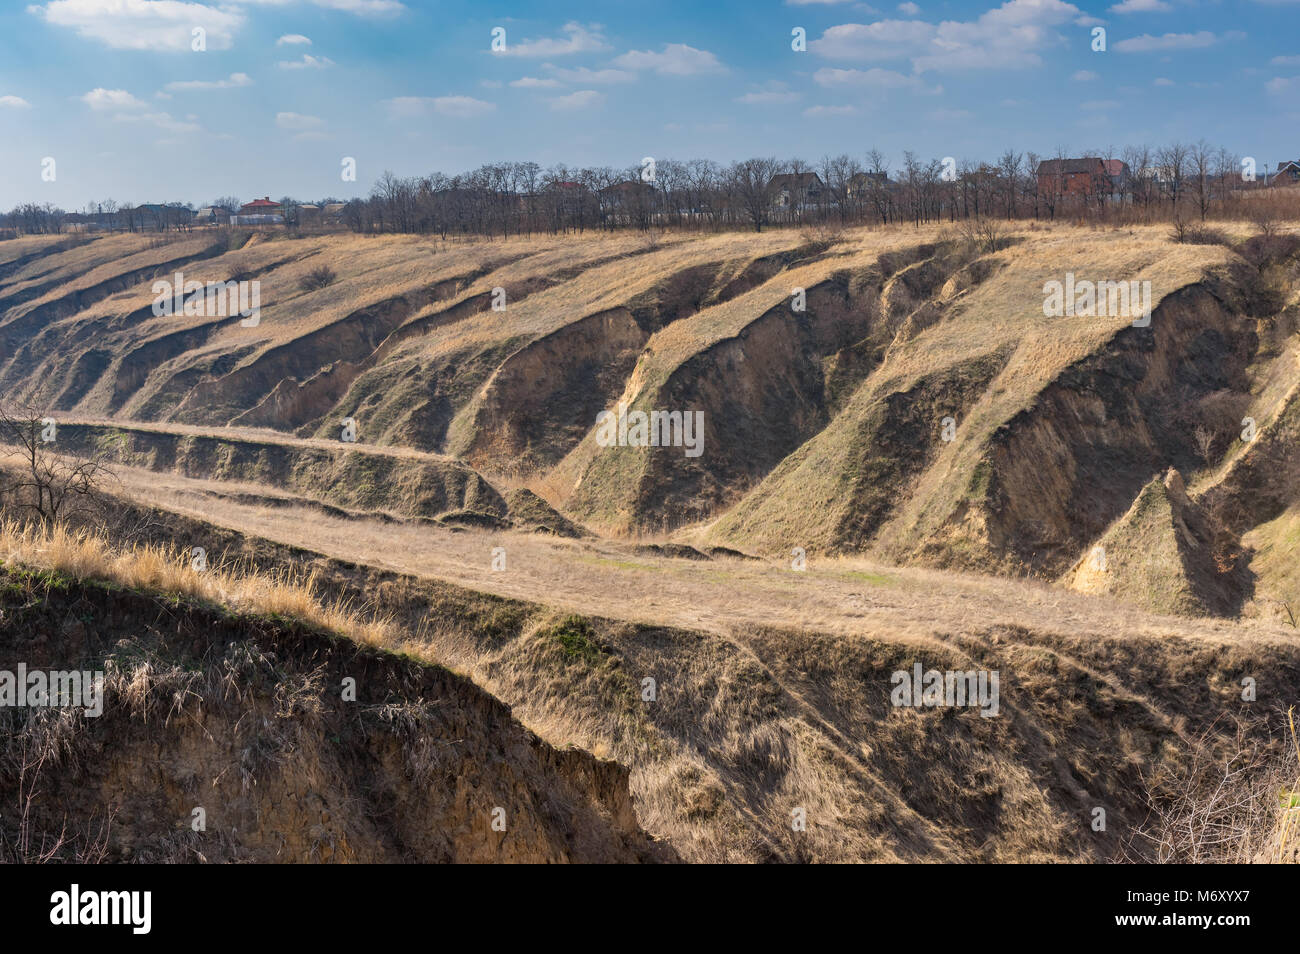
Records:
x=113, y=91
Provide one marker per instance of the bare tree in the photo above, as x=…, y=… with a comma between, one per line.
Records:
x=1009, y=172
x=1202, y=159
x=750, y=180
x=53, y=487
x=1172, y=160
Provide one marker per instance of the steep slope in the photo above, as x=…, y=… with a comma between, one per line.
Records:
x=743, y=725
x=1167, y=556
x=1052, y=424
x=346, y=479
x=898, y=393
x=229, y=737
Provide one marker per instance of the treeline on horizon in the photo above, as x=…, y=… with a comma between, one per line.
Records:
x=1179, y=182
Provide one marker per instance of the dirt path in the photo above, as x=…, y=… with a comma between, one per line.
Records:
x=614, y=579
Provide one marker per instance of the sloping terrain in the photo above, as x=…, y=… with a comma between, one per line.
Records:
x=750, y=721
x=1165, y=554
x=232, y=737
x=897, y=393
x=365, y=478
x=888, y=417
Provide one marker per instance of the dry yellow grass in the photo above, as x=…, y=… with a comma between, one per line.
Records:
x=773, y=679
x=848, y=595
x=753, y=720
x=83, y=555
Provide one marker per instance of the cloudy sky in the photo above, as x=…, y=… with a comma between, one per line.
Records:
x=115, y=92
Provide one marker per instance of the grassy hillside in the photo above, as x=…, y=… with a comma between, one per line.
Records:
x=749, y=722
x=919, y=407
x=227, y=732
x=905, y=462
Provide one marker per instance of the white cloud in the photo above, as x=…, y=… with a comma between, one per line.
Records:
x=1283, y=84
x=874, y=78
x=582, y=99
x=297, y=122
x=293, y=39
x=533, y=82
x=1007, y=37
x=143, y=24
x=1085, y=76
x=235, y=80
x=102, y=99
x=587, y=76
x=768, y=97
x=577, y=39
x=1146, y=43
x=14, y=102
x=461, y=107
x=819, y=111
x=161, y=120
x=167, y=25
x=1285, y=61
x=1142, y=6
x=909, y=9
x=1162, y=81
x=882, y=40
x=362, y=8
x=457, y=107
x=676, y=59
x=308, y=62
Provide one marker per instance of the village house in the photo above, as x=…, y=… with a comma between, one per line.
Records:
x=156, y=217
x=259, y=212
x=1078, y=177
x=1288, y=173
x=863, y=183
x=627, y=193
x=1120, y=175
x=795, y=189
x=211, y=215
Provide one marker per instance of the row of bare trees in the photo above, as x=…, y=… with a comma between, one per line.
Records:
x=109, y=215
x=1175, y=182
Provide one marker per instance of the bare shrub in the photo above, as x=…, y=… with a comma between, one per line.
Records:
x=1186, y=234
x=51, y=486
x=822, y=233
x=1233, y=803
x=318, y=278
x=1204, y=439
x=1265, y=219
x=37, y=742
x=983, y=235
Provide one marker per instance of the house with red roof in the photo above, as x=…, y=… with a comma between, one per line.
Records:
x=259, y=212
x=1084, y=177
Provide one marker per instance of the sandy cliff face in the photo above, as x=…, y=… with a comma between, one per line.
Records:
x=917, y=406
x=246, y=720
